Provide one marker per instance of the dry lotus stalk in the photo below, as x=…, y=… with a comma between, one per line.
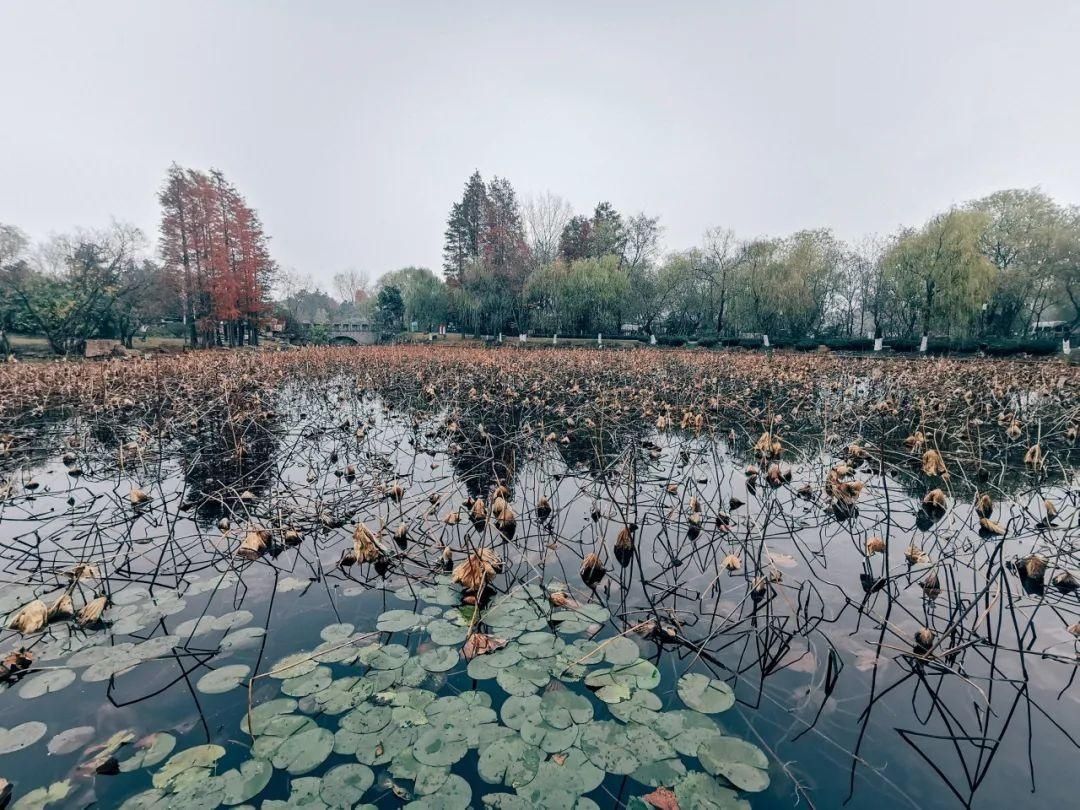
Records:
x=254, y=544
x=874, y=545
x=31, y=618
x=991, y=527
x=63, y=608
x=592, y=569
x=933, y=463
x=92, y=610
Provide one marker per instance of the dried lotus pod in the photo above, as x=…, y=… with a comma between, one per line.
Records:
x=30, y=618
x=592, y=570
x=62, y=609
x=92, y=610
x=874, y=545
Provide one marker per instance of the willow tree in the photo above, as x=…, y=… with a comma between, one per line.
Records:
x=940, y=270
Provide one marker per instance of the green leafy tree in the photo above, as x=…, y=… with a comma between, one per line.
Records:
x=389, y=309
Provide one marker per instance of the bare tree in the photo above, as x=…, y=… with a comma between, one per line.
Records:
x=545, y=217
x=642, y=245
x=722, y=256
x=351, y=285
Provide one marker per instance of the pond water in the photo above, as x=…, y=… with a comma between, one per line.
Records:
x=745, y=611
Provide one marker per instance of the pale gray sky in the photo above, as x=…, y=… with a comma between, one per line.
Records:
x=353, y=126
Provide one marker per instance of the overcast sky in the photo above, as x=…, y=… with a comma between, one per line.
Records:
x=353, y=126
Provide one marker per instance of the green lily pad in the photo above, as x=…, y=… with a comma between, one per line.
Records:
x=71, y=739
x=661, y=773
x=744, y=765
x=562, y=708
x=199, y=759
x=511, y=762
x=245, y=783
x=45, y=682
x=547, y=738
x=223, y=679
x=705, y=694
x=21, y=736
x=455, y=794
x=336, y=632
x=367, y=718
x=440, y=747
x=304, y=751
x=701, y=790
x=309, y=683
x=394, y=621
x=343, y=786
x=44, y=796
x=439, y=659
x=515, y=709
x=262, y=714
x=149, y=751
x=605, y=744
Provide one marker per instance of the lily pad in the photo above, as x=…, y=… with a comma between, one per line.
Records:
x=704, y=694
x=562, y=708
x=247, y=782
x=71, y=739
x=304, y=751
x=223, y=679
x=440, y=747
x=21, y=736
x=45, y=682
x=744, y=765
x=150, y=750
x=343, y=786
x=44, y=796
x=511, y=762
x=455, y=794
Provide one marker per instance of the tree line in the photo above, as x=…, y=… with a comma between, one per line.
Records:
x=212, y=273
x=993, y=267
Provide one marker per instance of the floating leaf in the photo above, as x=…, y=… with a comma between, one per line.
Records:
x=71, y=739
x=741, y=763
x=150, y=750
x=701, y=790
x=247, y=782
x=455, y=794
x=704, y=694
x=394, y=621
x=440, y=747
x=562, y=708
x=343, y=786
x=199, y=759
x=45, y=682
x=304, y=751
x=511, y=762
x=44, y=796
x=21, y=736
x=222, y=679
x=439, y=659
x=605, y=744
